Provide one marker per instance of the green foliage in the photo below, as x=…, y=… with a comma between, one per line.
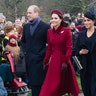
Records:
x=17, y=8
x=78, y=79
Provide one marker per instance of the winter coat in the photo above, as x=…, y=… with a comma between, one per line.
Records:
x=58, y=81
x=34, y=47
x=88, y=62
x=15, y=51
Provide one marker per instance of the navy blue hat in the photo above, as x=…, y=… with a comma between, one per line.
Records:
x=90, y=16
x=91, y=13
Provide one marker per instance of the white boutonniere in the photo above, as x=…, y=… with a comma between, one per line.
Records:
x=62, y=32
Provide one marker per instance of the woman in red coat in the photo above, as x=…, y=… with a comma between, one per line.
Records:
x=60, y=78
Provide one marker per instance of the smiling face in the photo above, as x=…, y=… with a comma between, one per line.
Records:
x=32, y=13
x=55, y=20
x=88, y=23
x=13, y=41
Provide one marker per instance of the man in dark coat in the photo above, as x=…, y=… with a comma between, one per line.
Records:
x=34, y=46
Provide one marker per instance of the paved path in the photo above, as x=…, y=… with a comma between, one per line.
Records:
x=81, y=94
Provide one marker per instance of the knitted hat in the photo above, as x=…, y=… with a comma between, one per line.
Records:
x=58, y=12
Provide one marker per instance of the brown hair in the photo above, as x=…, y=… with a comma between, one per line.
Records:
x=19, y=29
x=8, y=28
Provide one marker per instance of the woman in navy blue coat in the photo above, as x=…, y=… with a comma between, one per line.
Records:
x=87, y=54
x=34, y=46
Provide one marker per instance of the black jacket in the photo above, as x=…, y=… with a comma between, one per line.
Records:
x=34, y=46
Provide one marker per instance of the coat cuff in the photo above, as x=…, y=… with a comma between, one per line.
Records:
x=45, y=61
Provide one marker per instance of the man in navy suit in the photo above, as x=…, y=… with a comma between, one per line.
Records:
x=33, y=43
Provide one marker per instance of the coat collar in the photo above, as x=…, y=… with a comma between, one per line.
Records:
x=58, y=30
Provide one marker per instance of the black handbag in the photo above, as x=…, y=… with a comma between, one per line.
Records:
x=77, y=62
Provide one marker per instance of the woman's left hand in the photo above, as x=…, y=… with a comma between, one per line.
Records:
x=83, y=51
x=64, y=66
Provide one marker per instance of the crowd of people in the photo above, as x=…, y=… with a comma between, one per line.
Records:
x=47, y=50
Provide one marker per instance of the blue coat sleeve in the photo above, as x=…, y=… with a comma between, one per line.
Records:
x=3, y=91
